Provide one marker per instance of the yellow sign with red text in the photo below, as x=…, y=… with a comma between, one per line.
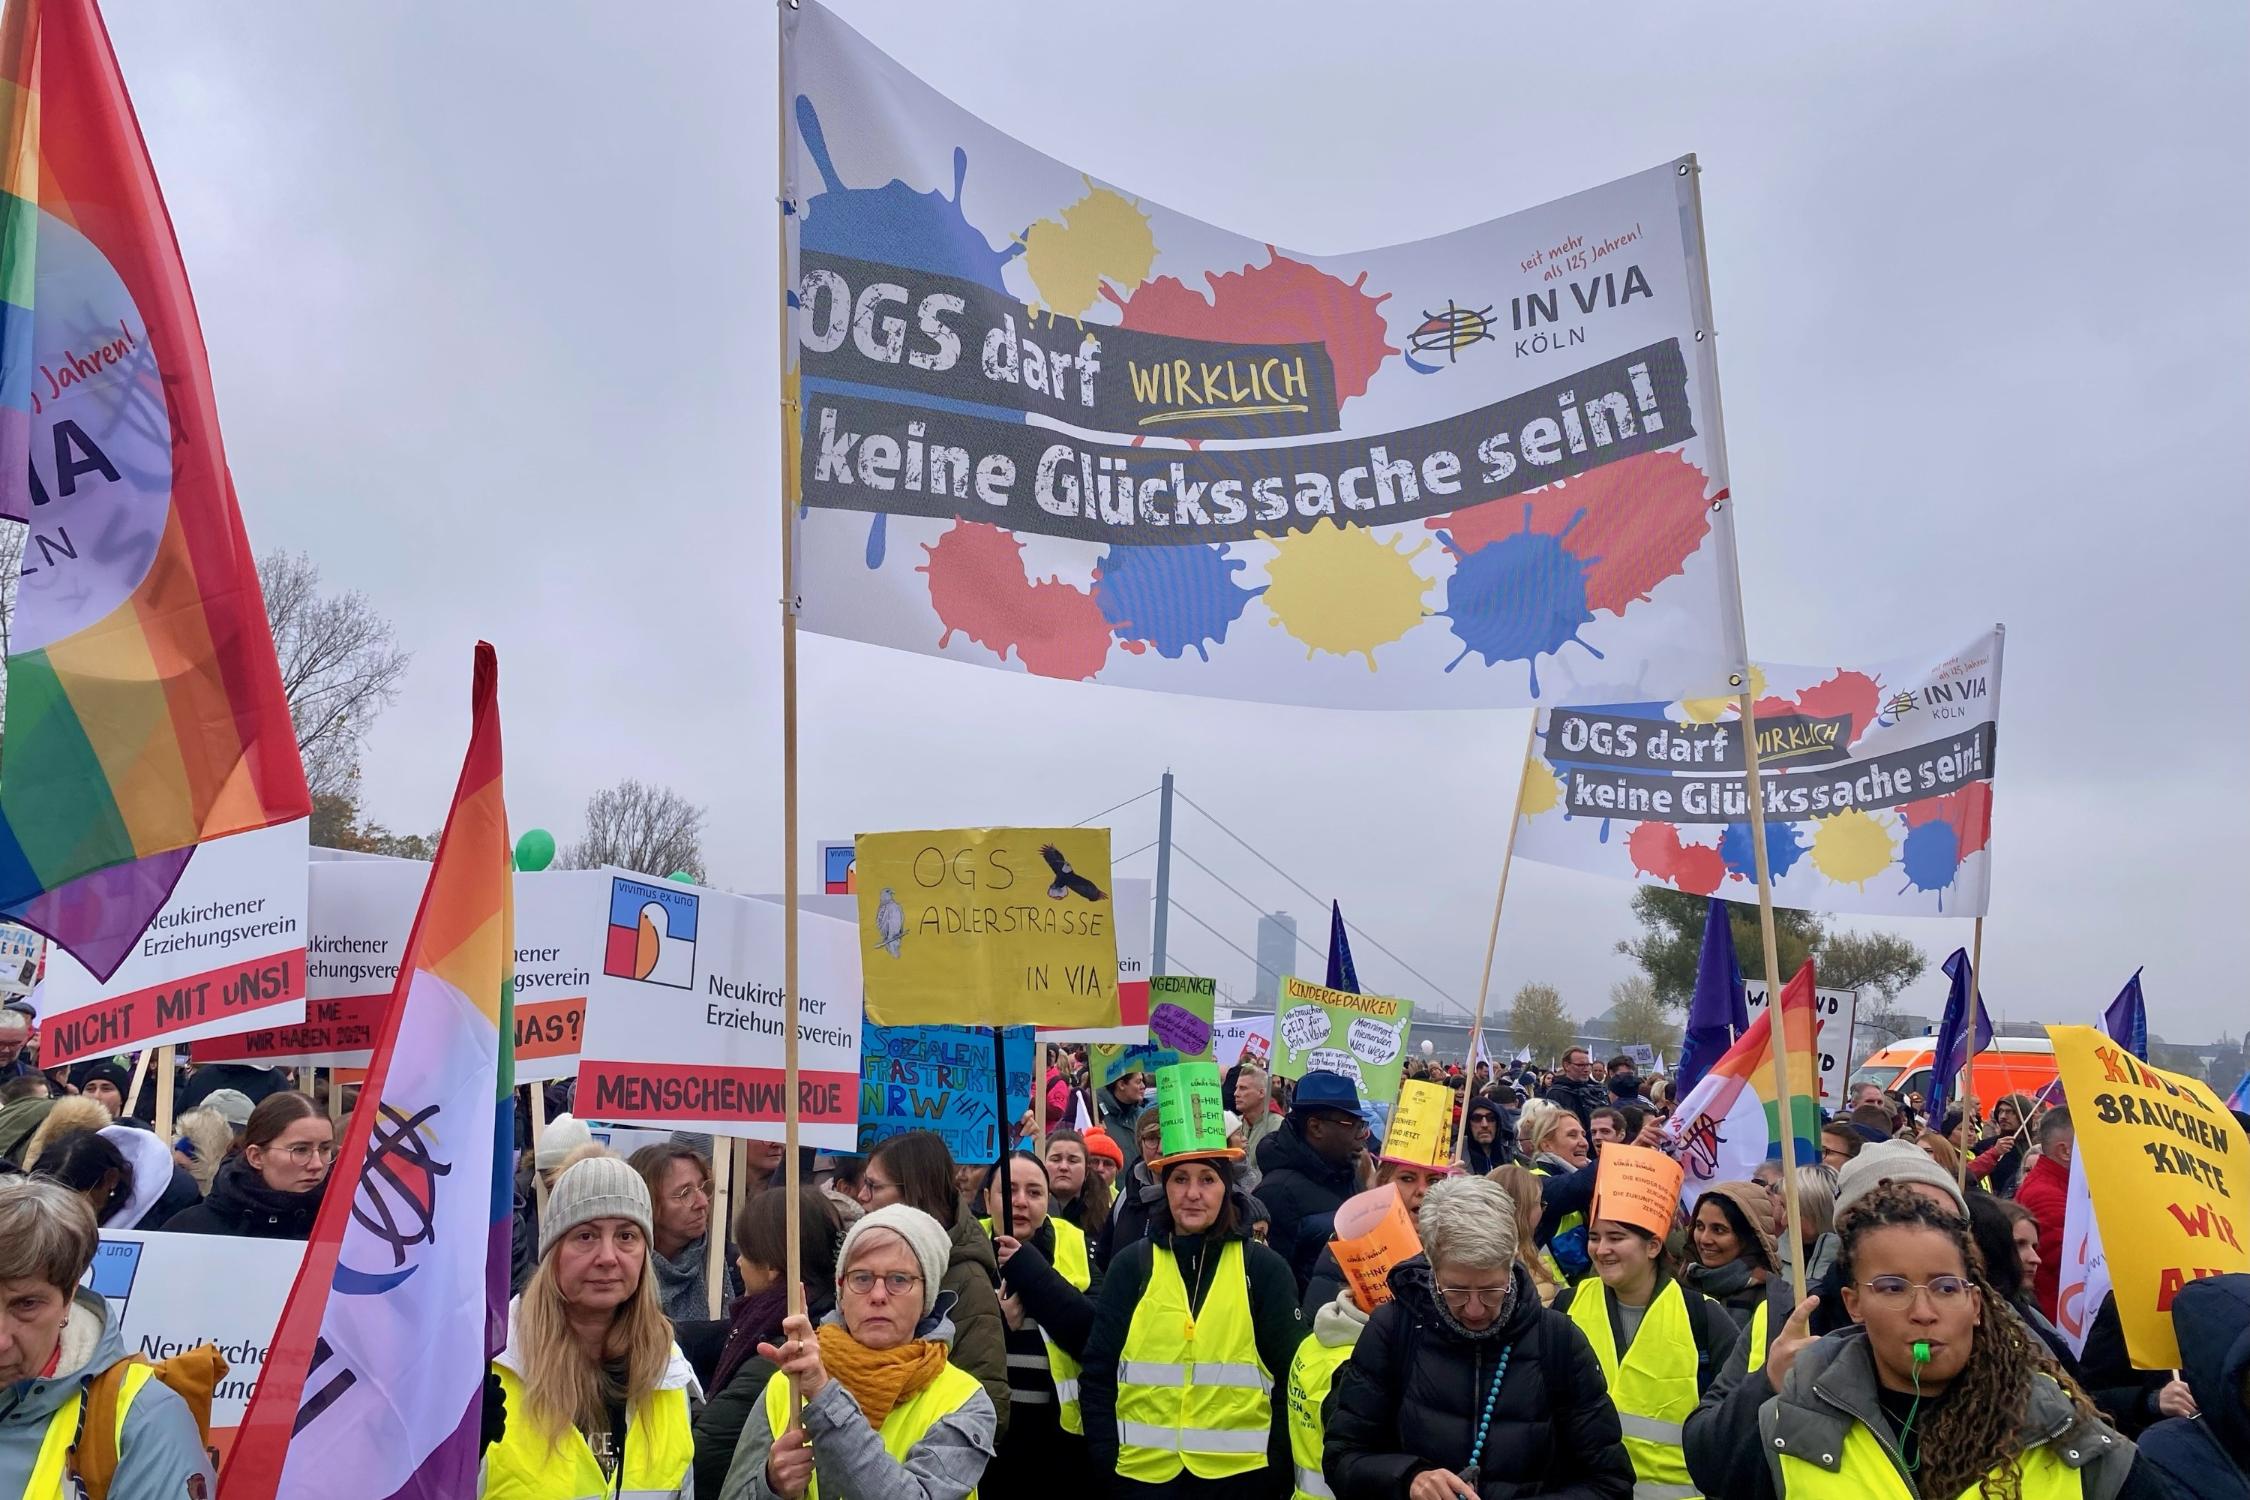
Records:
x=2168, y=1170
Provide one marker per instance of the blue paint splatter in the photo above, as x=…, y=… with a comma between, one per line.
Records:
x=1932, y=858
x=1174, y=598
x=1518, y=598
x=896, y=226
x=1782, y=849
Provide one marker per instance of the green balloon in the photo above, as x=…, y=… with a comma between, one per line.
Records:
x=682, y=876
x=535, y=850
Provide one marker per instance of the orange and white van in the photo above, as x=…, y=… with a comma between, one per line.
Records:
x=2012, y=1065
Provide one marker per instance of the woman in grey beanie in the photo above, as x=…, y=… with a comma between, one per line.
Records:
x=593, y=1394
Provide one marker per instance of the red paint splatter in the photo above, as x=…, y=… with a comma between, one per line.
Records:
x=1655, y=849
x=1645, y=516
x=1282, y=302
x=1853, y=694
x=978, y=587
x=1969, y=810
x=1773, y=708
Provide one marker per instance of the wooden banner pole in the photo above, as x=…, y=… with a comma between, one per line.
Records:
x=308, y=1080
x=715, y=1236
x=164, y=1071
x=1775, y=983
x=785, y=209
x=538, y=1129
x=1492, y=943
x=140, y=1076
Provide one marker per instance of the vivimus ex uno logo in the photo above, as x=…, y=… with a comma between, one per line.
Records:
x=651, y=933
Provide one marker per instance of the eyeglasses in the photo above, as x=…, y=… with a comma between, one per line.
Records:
x=305, y=1151
x=897, y=1283
x=1945, y=1291
x=1458, y=1297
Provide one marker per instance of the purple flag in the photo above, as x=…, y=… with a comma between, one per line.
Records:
x=1720, y=1012
x=1952, y=1055
x=2126, y=1020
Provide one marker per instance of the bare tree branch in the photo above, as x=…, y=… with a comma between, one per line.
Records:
x=339, y=667
x=652, y=829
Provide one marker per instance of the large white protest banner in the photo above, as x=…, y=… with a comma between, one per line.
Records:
x=174, y=1291
x=1053, y=426
x=683, y=1022
x=225, y=953
x=1877, y=783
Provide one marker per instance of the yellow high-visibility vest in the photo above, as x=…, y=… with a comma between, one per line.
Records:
x=909, y=1422
x=1758, y=1337
x=1077, y=1269
x=1192, y=1392
x=659, y=1448
x=1311, y=1374
x=1865, y=1471
x=50, y=1469
x=1653, y=1386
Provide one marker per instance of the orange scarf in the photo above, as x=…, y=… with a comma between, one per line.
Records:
x=879, y=1379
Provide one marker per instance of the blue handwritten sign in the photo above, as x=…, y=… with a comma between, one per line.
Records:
x=940, y=1078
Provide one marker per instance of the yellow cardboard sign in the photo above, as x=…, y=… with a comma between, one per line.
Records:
x=1374, y=1232
x=988, y=927
x=2168, y=1170
x=1639, y=1186
x=1421, y=1126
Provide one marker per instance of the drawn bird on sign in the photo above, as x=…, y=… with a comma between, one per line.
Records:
x=890, y=923
x=1067, y=879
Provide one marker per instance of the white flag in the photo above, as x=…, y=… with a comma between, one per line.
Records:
x=2085, y=1270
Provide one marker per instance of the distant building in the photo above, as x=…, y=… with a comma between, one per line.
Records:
x=1277, y=955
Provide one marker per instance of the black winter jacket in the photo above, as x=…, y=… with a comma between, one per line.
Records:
x=1581, y=1099
x=1273, y=1314
x=1301, y=1191
x=1410, y=1397
x=1137, y=1194
x=2208, y=1456
x=241, y=1204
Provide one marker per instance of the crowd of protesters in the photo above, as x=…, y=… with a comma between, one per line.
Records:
x=1179, y=1323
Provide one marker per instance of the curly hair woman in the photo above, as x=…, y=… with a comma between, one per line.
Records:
x=1938, y=1390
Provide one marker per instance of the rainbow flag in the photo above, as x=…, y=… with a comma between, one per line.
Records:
x=145, y=709
x=374, y=1386
x=1731, y=1121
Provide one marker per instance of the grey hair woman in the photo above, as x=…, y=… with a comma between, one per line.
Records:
x=1463, y=1383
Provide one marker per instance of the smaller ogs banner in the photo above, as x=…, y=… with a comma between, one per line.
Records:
x=1052, y=426
x=1877, y=782
x=999, y=926
x=2167, y=1175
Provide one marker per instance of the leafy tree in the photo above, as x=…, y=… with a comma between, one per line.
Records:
x=637, y=826
x=1638, y=1016
x=336, y=825
x=1672, y=936
x=1537, y=1020
x=1877, y=964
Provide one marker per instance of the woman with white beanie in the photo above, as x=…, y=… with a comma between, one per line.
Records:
x=886, y=1415
x=593, y=1394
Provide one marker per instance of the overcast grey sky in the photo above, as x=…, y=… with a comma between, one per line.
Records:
x=486, y=292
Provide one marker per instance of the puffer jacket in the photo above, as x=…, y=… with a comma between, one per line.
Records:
x=1410, y=1397
x=1833, y=1386
x=980, y=1335
x=241, y=1204
x=1302, y=1190
x=161, y=1454
x=2209, y=1456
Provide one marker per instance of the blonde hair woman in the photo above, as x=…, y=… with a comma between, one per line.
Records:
x=201, y=1140
x=594, y=1393
x=1554, y=1142
x=1522, y=1187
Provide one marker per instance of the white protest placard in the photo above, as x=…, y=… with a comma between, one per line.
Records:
x=1242, y=1039
x=684, y=1019
x=174, y=1291
x=558, y=959
x=226, y=953
x=1835, y=1013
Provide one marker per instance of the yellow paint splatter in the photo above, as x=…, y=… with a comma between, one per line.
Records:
x=1541, y=790
x=1710, y=710
x=1852, y=848
x=1340, y=590
x=1101, y=236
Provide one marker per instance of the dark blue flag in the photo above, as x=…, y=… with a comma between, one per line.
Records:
x=1720, y=1012
x=2126, y=1020
x=1341, y=974
x=1953, y=1052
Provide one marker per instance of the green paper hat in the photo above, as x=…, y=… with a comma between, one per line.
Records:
x=1192, y=1121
